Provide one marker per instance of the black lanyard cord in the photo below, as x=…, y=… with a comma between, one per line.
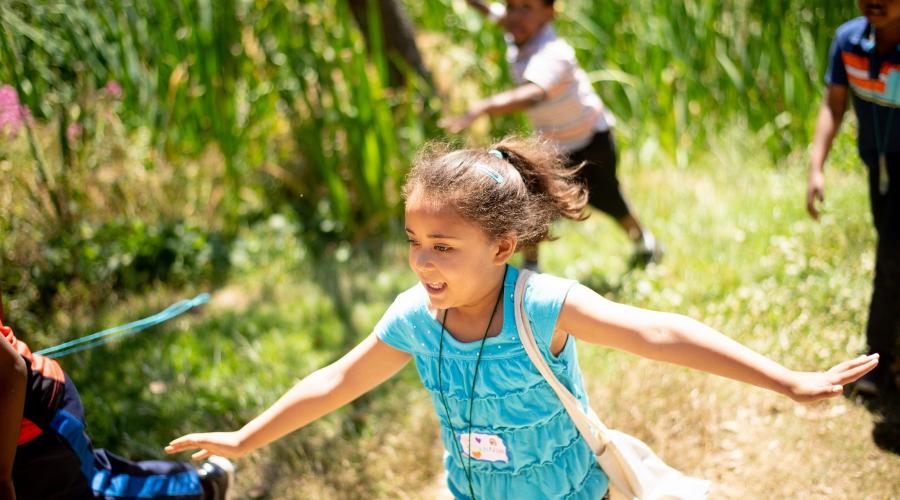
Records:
x=467, y=470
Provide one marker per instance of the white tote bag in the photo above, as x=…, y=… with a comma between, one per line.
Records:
x=634, y=471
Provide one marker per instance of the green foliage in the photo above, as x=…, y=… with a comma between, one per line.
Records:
x=678, y=73
x=350, y=136
x=276, y=104
x=742, y=257
x=285, y=91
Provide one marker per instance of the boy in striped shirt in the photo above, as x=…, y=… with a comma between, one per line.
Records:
x=561, y=104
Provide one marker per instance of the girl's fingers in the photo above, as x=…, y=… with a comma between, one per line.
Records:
x=851, y=374
x=187, y=439
x=184, y=443
x=851, y=363
x=200, y=455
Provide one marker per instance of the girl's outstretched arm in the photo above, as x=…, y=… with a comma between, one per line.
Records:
x=323, y=391
x=678, y=339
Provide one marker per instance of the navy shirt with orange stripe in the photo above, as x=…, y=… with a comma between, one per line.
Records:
x=44, y=388
x=874, y=81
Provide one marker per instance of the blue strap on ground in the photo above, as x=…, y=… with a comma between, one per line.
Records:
x=108, y=335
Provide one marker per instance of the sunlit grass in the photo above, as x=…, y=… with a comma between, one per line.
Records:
x=742, y=256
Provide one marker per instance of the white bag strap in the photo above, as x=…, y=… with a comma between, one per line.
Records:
x=589, y=425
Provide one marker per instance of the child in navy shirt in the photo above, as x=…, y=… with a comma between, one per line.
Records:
x=864, y=62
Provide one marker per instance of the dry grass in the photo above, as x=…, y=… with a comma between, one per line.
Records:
x=743, y=257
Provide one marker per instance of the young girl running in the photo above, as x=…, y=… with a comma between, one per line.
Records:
x=505, y=432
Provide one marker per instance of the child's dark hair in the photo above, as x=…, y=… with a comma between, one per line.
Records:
x=516, y=185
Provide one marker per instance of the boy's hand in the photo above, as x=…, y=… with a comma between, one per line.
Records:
x=456, y=124
x=806, y=387
x=815, y=190
x=224, y=444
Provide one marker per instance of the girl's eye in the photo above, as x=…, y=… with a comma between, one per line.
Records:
x=412, y=241
x=442, y=248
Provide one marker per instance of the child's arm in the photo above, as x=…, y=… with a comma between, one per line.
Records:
x=13, y=377
x=494, y=11
x=678, y=339
x=510, y=101
x=479, y=6
x=830, y=116
x=325, y=390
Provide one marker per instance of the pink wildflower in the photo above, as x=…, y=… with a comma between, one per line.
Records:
x=12, y=113
x=74, y=131
x=113, y=89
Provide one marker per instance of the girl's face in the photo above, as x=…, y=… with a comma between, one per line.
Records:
x=881, y=13
x=459, y=265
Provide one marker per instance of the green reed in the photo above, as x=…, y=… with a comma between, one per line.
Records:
x=286, y=92
x=678, y=73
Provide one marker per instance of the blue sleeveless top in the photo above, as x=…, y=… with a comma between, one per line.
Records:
x=523, y=443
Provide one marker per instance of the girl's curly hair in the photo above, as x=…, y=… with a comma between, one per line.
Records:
x=516, y=185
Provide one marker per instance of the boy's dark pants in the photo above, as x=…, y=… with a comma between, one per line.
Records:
x=883, y=329
x=599, y=174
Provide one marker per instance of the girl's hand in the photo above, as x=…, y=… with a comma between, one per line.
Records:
x=224, y=444
x=812, y=386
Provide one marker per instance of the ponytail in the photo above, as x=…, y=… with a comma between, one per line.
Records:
x=545, y=174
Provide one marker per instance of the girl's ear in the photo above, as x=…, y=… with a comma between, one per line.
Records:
x=506, y=246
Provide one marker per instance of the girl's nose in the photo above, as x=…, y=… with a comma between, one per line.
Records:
x=422, y=261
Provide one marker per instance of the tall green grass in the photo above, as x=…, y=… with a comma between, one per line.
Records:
x=679, y=73
x=742, y=256
x=300, y=109
x=282, y=104
x=287, y=92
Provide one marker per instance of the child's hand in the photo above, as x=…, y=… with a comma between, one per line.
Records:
x=457, y=124
x=811, y=386
x=815, y=192
x=224, y=444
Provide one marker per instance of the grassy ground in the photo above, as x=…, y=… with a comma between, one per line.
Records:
x=742, y=256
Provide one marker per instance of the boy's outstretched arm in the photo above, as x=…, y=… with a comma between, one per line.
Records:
x=678, y=339
x=13, y=377
x=325, y=390
x=510, y=101
x=831, y=114
x=479, y=6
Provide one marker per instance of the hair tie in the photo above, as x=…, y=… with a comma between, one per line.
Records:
x=498, y=154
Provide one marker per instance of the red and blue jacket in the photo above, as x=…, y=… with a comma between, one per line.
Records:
x=44, y=388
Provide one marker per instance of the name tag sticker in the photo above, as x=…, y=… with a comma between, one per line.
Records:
x=485, y=447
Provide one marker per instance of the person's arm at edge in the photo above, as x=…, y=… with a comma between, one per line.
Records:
x=480, y=6
x=831, y=114
x=677, y=339
x=495, y=12
x=510, y=101
x=13, y=377
x=362, y=369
